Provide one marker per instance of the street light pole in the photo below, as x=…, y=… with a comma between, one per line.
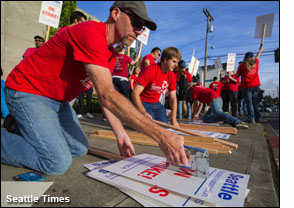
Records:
x=209, y=18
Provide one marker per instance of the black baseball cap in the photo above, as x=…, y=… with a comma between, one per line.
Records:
x=40, y=37
x=138, y=8
x=182, y=64
x=249, y=55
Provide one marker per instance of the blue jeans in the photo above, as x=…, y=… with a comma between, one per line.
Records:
x=180, y=109
x=215, y=114
x=50, y=134
x=4, y=109
x=250, y=99
x=156, y=110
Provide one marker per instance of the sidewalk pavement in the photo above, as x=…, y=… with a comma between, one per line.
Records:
x=251, y=157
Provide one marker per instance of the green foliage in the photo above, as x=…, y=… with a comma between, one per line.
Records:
x=67, y=8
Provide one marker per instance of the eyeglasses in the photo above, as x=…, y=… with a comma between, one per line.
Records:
x=37, y=40
x=135, y=20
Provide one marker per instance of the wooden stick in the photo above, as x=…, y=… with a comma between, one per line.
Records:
x=47, y=34
x=235, y=146
x=263, y=33
x=140, y=135
x=104, y=154
x=220, y=129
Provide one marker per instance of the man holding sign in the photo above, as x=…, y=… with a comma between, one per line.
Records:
x=40, y=87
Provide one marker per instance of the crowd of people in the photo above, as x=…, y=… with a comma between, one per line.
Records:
x=81, y=57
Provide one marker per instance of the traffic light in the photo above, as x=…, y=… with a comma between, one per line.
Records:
x=277, y=55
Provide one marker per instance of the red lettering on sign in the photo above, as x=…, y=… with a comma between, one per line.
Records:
x=153, y=171
x=156, y=190
x=51, y=9
x=184, y=172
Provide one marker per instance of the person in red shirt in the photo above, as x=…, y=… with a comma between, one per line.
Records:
x=120, y=72
x=216, y=85
x=40, y=87
x=154, y=80
x=230, y=92
x=250, y=83
x=150, y=58
x=39, y=41
x=134, y=78
x=183, y=77
x=208, y=96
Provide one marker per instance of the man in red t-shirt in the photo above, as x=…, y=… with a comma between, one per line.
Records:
x=208, y=96
x=75, y=59
x=150, y=58
x=154, y=80
x=39, y=41
x=216, y=86
x=230, y=92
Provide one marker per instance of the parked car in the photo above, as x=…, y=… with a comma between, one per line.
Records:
x=270, y=108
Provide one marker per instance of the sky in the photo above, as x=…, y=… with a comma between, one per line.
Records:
x=182, y=24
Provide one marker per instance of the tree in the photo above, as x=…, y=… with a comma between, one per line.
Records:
x=67, y=8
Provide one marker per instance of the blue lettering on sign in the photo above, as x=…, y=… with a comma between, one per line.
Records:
x=230, y=187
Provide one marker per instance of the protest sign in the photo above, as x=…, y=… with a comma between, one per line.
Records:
x=144, y=36
x=50, y=13
x=231, y=62
x=142, y=192
x=193, y=66
x=222, y=187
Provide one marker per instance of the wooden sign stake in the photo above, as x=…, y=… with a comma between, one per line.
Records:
x=47, y=34
x=263, y=33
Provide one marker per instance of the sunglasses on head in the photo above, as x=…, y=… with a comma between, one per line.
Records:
x=135, y=20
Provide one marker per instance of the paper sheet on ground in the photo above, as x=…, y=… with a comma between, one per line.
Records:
x=222, y=187
x=22, y=189
x=143, y=191
x=206, y=133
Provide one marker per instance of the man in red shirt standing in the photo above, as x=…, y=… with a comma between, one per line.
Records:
x=150, y=58
x=230, y=92
x=40, y=87
x=208, y=96
x=152, y=81
x=39, y=41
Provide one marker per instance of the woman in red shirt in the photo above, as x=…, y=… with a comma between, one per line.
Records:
x=134, y=78
x=250, y=83
x=120, y=72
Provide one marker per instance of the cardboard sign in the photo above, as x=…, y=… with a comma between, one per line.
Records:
x=203, y=123
x=143, y=191
x=144, y=36
x=50, y=13
x=133, y=44
x=193, y=66
x=222, y=187
x=231, y=62
x=260, y=21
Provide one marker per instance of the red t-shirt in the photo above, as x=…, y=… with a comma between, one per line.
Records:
x=56, y=69
x=135, y=78
x=249, y=79
x=155, y=82
x=187, y=75
x=216, y=86
x=150, y=58
x=29, y=51
x=231, y=86
x=121, y=65
x=204, y=94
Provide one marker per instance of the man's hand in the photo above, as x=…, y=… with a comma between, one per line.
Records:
x=147, y=115
x=173, y=149
x=175, y=123
x=125, y=146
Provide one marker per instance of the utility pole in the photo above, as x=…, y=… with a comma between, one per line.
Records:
x=209, y=18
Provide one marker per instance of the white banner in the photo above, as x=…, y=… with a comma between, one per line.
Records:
x=222, y=187
x=50, y=13
x=144, y=36
x=231, y=62
x=193, y=66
